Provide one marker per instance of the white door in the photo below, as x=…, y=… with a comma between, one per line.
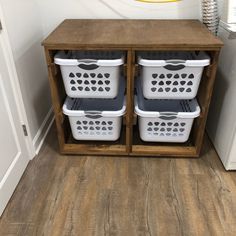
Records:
x=14, y=155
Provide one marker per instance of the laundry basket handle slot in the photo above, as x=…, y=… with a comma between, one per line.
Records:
x=93, y=114
x=87, y=64
x=174, y=65
x=168, y=116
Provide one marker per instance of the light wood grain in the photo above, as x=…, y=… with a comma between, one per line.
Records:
x=83, y=195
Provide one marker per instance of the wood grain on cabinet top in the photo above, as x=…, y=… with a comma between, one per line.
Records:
x=135, y=34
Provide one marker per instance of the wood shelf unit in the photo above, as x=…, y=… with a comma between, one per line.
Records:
x=131, y=36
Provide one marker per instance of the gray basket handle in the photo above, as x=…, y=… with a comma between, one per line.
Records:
x=88, y=64
x=93, y=114
x=175, y=65
x=168, y=115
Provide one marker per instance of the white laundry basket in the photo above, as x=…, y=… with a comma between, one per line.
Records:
x=171, y=75
x=165, y=120
x=90, y=74
x=95, y=119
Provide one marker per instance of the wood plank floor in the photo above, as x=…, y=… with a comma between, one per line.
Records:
x=71, y=195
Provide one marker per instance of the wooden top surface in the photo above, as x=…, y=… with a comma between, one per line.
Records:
x=132, y=34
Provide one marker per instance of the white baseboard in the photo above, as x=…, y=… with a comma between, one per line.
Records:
x=43, y=131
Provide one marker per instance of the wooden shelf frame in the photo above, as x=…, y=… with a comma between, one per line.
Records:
x=130, y=144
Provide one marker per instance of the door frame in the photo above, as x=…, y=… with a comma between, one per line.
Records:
x=14, y=80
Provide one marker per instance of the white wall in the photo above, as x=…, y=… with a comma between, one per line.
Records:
x=55, y=11
x=24, y=27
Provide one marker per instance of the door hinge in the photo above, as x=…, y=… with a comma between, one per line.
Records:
x=25, y=130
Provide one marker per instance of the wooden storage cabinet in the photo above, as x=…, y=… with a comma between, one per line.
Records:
x=131, y=36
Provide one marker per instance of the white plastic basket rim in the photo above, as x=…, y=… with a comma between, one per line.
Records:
x=167, y=113
x=68, y=111
x=202, y=59
x=63, y=59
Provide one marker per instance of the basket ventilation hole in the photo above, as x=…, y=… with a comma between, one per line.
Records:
x=168, y=129
x=98, y=127
x=181, y=89
x=150, y=124
x=93, y=75
x=153, y=89
x=190, y=83
x=91, y=128
x=154, y=76
x=86, y=82
x=176, y=76
x=100, y=82
x=71, y=75
x=86, y=75
x=169, y=76
x=94, y=88
x=100, y=89
x=107, y=82
x=93, y=81
x=78, y=75
x=87, y=89
x=161, y=83
x=103, y=123
x=162, y=76
x=100, y=76
x=79, y=128
x=73, y=88
x=167, y=89
x=176, y=124
x=160, y=90
x=107, y=75
x=104, y=128
x=175, y=83
x=169, y=123
x=191, y=76
x=156, y=129
x=174, y=90
x=154, y=82
x=163, y=124
x=78, y=122
x=156, y=123
x=181, y=129
x=91, y=123
x=183, y=124
x=189, y=90
x=168, y=134
x=85, y=127
x=85, y=122
x=110, y=128
x=182, y=82
x=175, y=130
x=79, y=81
x=97, y=122
x=168, y=82
x=108, y=89
x=162, y=129
x=110, y=122
x=184, y=76
x=72, y=82
x=149, y=129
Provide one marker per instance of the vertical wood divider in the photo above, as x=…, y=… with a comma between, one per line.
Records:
x=55, y=99
x=205, y=100
x=130, y=100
